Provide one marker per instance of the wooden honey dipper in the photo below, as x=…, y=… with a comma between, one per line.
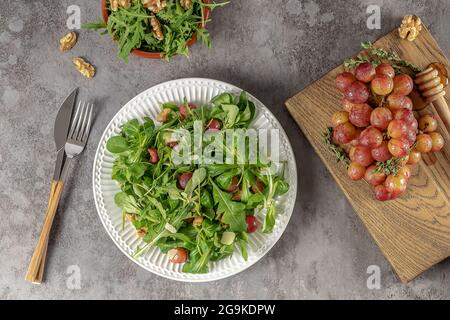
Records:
x=431, y=83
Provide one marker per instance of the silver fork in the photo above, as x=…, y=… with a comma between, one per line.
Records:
x=78, y=133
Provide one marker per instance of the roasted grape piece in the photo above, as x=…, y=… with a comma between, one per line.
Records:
x=344, y=80
x=386, y=69
x=399, y=148
x=360, y=115
x=399, y=101
x=428, y=123
x=371, y=137
x=382, y=85
x=338, y=118
x=357, y=92
x=344, y=133
x=356, y=171
x=437, y=141
x=362, y=156
x=365, y=72
x=381, y=153
x=374, y=177
x=380, y=118
x=403, y=84
x=424, y=143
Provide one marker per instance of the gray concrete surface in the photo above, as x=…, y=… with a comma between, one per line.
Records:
x=272, y=49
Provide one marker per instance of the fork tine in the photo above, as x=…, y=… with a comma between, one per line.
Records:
x=83, y=123
x=74, y=120
x=79, y=121
x=88, y=125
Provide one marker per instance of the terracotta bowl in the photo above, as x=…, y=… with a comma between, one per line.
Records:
x=147, y=54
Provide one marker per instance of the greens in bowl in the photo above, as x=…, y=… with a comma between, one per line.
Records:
x=155, y=29
x=195, y=208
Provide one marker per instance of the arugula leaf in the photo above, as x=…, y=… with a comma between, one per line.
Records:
x=233, y=212
x=198, y=177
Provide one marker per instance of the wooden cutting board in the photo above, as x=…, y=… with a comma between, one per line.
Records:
x=413, y=232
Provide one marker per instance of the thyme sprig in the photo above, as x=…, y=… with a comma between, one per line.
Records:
x=339, y=152
x=380, y=54
x=391, y=166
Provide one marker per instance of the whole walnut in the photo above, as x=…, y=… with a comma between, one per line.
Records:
x=410, y=28
x=154, y=6
x=186, y=4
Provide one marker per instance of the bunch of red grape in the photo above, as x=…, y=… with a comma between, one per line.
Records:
x=379, y=130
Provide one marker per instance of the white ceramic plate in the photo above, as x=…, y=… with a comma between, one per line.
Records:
x=198, y=91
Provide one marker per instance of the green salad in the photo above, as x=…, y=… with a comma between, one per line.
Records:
x=195, y=211
x=164, y=26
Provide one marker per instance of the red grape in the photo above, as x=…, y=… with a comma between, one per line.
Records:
x=362, y=156
x=403, y=84
x=365, y=72
x=414, y=157
x=399, y=101
x=339, y=117
x=424, y=143
x=395, y=184
x=411, y=137
x=371, y=138
x=344, y=133
x=404, y=114
x=397, y=129
x=252, y=223
x=405, y=171
x=398, y=147
x=183, y=179
x=214, y=124
x=356, y=171
x=428, y=123
x=382, y=85
x=360, y=115
x=374, y=177
x=184, y=112
x=382, y=194
x=355, y=141
x=177, y=255
x=344, y=80
x=154, y=157
x=347, y=105
x=386, y=69
x=380, y=118
x=381, y=153
x=357, y=92
x=437, y=141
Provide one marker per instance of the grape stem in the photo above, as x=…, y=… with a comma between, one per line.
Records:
x=339, y=152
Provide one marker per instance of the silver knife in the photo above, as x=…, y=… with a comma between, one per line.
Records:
x=62, y=125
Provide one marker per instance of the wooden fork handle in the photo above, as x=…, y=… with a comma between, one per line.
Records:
x=36, y=267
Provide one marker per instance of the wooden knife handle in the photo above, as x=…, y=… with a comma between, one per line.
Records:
x=36, y=267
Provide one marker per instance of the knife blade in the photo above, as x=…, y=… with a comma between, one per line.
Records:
x=62, y=121
x=61, y=130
